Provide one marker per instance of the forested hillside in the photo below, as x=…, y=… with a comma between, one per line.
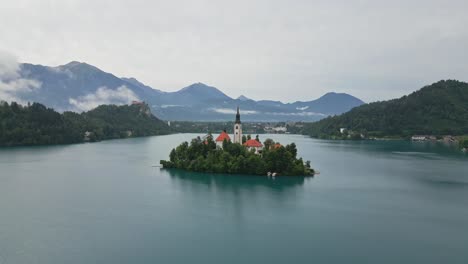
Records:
x=36, y=124
x=437, y=109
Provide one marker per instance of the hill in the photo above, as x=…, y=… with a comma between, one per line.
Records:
x=78, y=86
x=437, y=109
x=330, y=103
x=38, y=125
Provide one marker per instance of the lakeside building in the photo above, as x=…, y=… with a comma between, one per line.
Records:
x=220, y=139
x=237, y=137
x=251, y=144
x=276, y=130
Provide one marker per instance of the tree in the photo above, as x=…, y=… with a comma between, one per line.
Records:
x=173, y=155
x=235, y=158
x=268, y=143
x=225, y=143
x=291, y=148
x=437, y=109
x=36, y=124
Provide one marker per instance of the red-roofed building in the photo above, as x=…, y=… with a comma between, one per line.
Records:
x=277, y=145
x=220, y=139
x=253, y=144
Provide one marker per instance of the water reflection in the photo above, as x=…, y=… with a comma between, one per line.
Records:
x=240, y=198
x=237, y=182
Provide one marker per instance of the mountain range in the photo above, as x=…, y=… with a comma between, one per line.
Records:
x=78, y=86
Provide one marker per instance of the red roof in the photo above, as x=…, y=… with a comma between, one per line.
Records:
x=253, y=143
x=223, y=136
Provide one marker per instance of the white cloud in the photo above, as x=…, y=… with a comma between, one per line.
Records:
x=62, y=71
x=278, y=50
x=298, y=114
x=233, y=112
x=302, y=108
x=103, y=95
x=12, y=85
x=168, y=106
x=252, y=112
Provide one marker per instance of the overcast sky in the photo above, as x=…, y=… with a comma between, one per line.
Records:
x=280, y=50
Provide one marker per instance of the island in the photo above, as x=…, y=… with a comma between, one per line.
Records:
x=242, y=155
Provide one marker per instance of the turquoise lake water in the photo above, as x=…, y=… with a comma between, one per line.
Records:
x=374, y=202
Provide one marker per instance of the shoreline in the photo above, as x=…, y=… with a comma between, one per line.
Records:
x=237, y=174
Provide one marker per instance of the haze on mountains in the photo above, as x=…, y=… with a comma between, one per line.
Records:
x=78, y=86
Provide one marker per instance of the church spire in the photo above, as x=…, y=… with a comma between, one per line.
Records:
x=238, y=128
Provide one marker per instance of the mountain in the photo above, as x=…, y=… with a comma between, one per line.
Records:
x=38, y=125
x=243, y=98
x=437, y=109
x=78, y=86
x=142, y=86
x=195, y=94
x=330, y=104
x=79, y=82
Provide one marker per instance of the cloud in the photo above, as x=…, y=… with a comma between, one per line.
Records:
x=12, y=85
x=233, y=112
x=252, y=112
x=103, y=95
x=298, y=114
x=168, y=106
x=61, y=70
x=277, y=50
x=302, y=108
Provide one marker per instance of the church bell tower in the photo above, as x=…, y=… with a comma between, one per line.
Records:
x=238, y=129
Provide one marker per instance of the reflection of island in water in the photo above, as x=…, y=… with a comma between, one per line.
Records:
x=240, y=197
x=237, y=183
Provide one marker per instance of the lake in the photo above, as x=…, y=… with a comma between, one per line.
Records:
x=373, y=202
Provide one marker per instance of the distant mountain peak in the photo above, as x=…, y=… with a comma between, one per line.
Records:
x=333, y=95
x=80, y=66
x=197, y=85
x=201, y=87
x=73, y=63
x=243, y=98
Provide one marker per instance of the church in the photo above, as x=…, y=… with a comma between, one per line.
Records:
x=251, y=144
